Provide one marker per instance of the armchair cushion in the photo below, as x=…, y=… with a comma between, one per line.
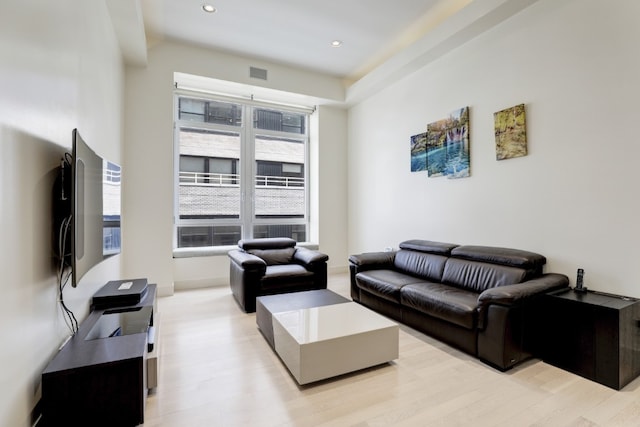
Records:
x=274, y=256
x=282, y=277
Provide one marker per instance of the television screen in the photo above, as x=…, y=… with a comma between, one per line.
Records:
x=95, y=208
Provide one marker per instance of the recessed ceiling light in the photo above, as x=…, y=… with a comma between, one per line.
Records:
x=336, y=43
x=208, y=8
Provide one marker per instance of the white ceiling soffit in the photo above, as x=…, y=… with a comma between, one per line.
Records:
x=449, y=25
x=298, y=33
x=468, y=23
x=128, y=24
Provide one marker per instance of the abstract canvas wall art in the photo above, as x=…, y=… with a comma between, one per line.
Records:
x=511, y=133
x=419, y=152
x=448, y=146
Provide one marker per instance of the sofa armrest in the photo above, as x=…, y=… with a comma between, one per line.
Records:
x=246, y=260
x=367, y=261
x=504, y=316
x=307, y=257
x=510, y=294
x=372, y=260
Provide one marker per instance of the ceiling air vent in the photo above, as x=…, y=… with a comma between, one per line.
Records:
x=257, y=73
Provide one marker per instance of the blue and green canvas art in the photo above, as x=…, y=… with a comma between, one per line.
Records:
x=419, y=152
x=448, y=146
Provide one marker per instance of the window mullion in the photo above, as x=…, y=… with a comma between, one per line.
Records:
x=248, y=172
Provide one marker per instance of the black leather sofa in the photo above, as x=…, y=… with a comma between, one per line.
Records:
x=273, y=266
x=475, y=298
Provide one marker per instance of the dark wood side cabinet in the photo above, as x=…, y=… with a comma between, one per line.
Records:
x=592, y=334
x=99, y=378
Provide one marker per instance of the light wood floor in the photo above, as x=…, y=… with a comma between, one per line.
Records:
x=217, y=370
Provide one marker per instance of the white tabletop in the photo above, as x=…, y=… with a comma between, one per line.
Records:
x=315, y=324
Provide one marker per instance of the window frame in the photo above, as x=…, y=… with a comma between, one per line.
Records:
x=246, y=164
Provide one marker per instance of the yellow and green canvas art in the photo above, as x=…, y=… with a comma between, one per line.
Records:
x=511, y=133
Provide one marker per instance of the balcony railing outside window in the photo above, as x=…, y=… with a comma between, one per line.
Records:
x=209, y=179
x=224, y=179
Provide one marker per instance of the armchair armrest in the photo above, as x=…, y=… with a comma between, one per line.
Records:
x=510, y=294
x=306, y=256
x=246, y=260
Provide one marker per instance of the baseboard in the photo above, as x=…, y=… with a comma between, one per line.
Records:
x=201, y=283
x=338, y=270
x=211, y=282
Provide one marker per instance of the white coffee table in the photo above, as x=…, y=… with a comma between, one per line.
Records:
x=323, y=342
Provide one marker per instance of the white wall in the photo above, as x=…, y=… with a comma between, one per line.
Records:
x=573, y=198
x=332, y=201
x=60, y=68
x=149, y=155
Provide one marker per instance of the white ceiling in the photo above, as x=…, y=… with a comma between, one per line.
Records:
x=299, y=32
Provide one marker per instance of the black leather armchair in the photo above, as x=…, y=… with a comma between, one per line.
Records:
x=273, y=266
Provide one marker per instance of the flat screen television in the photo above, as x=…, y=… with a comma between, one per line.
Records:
x=91, y=209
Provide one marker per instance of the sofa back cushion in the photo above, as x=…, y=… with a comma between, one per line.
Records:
x=479, y=276
x=420, y=264
x=531, y=262
x=266, y=243
x=428, y=246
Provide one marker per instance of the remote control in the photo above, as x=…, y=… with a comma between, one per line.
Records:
x=580, y=279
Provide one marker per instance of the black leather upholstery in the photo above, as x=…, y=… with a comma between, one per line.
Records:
x=472, y=297
x=427, y=246
x=445, y=302
x=386, y=284
x=480, y=276
x=529, y=261
x=273, y=266
x=421, y=264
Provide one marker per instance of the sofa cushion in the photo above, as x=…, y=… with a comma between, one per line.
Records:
x=285, y=276
x=444, y=302
x=479, y=276
x=274, y=256
x=384, y=284
x=424, y=265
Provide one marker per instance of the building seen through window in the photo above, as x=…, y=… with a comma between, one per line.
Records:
x=236, y=181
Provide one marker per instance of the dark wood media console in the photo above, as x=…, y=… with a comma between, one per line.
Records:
x=592, y=334
x=99, y=377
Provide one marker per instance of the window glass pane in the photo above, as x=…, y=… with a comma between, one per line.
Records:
x=282, y=121
x=296, y=232
x=199, y=110
x=198, y=236
x=191, y=109
x=191, y=164
x=224, y=113
x=207, y=192
x=278, y=193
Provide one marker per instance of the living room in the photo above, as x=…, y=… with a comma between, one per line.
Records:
x=571, y=198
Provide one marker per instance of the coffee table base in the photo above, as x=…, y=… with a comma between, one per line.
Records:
x=323, y=342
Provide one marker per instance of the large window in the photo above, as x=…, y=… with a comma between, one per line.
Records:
x=240, y=172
